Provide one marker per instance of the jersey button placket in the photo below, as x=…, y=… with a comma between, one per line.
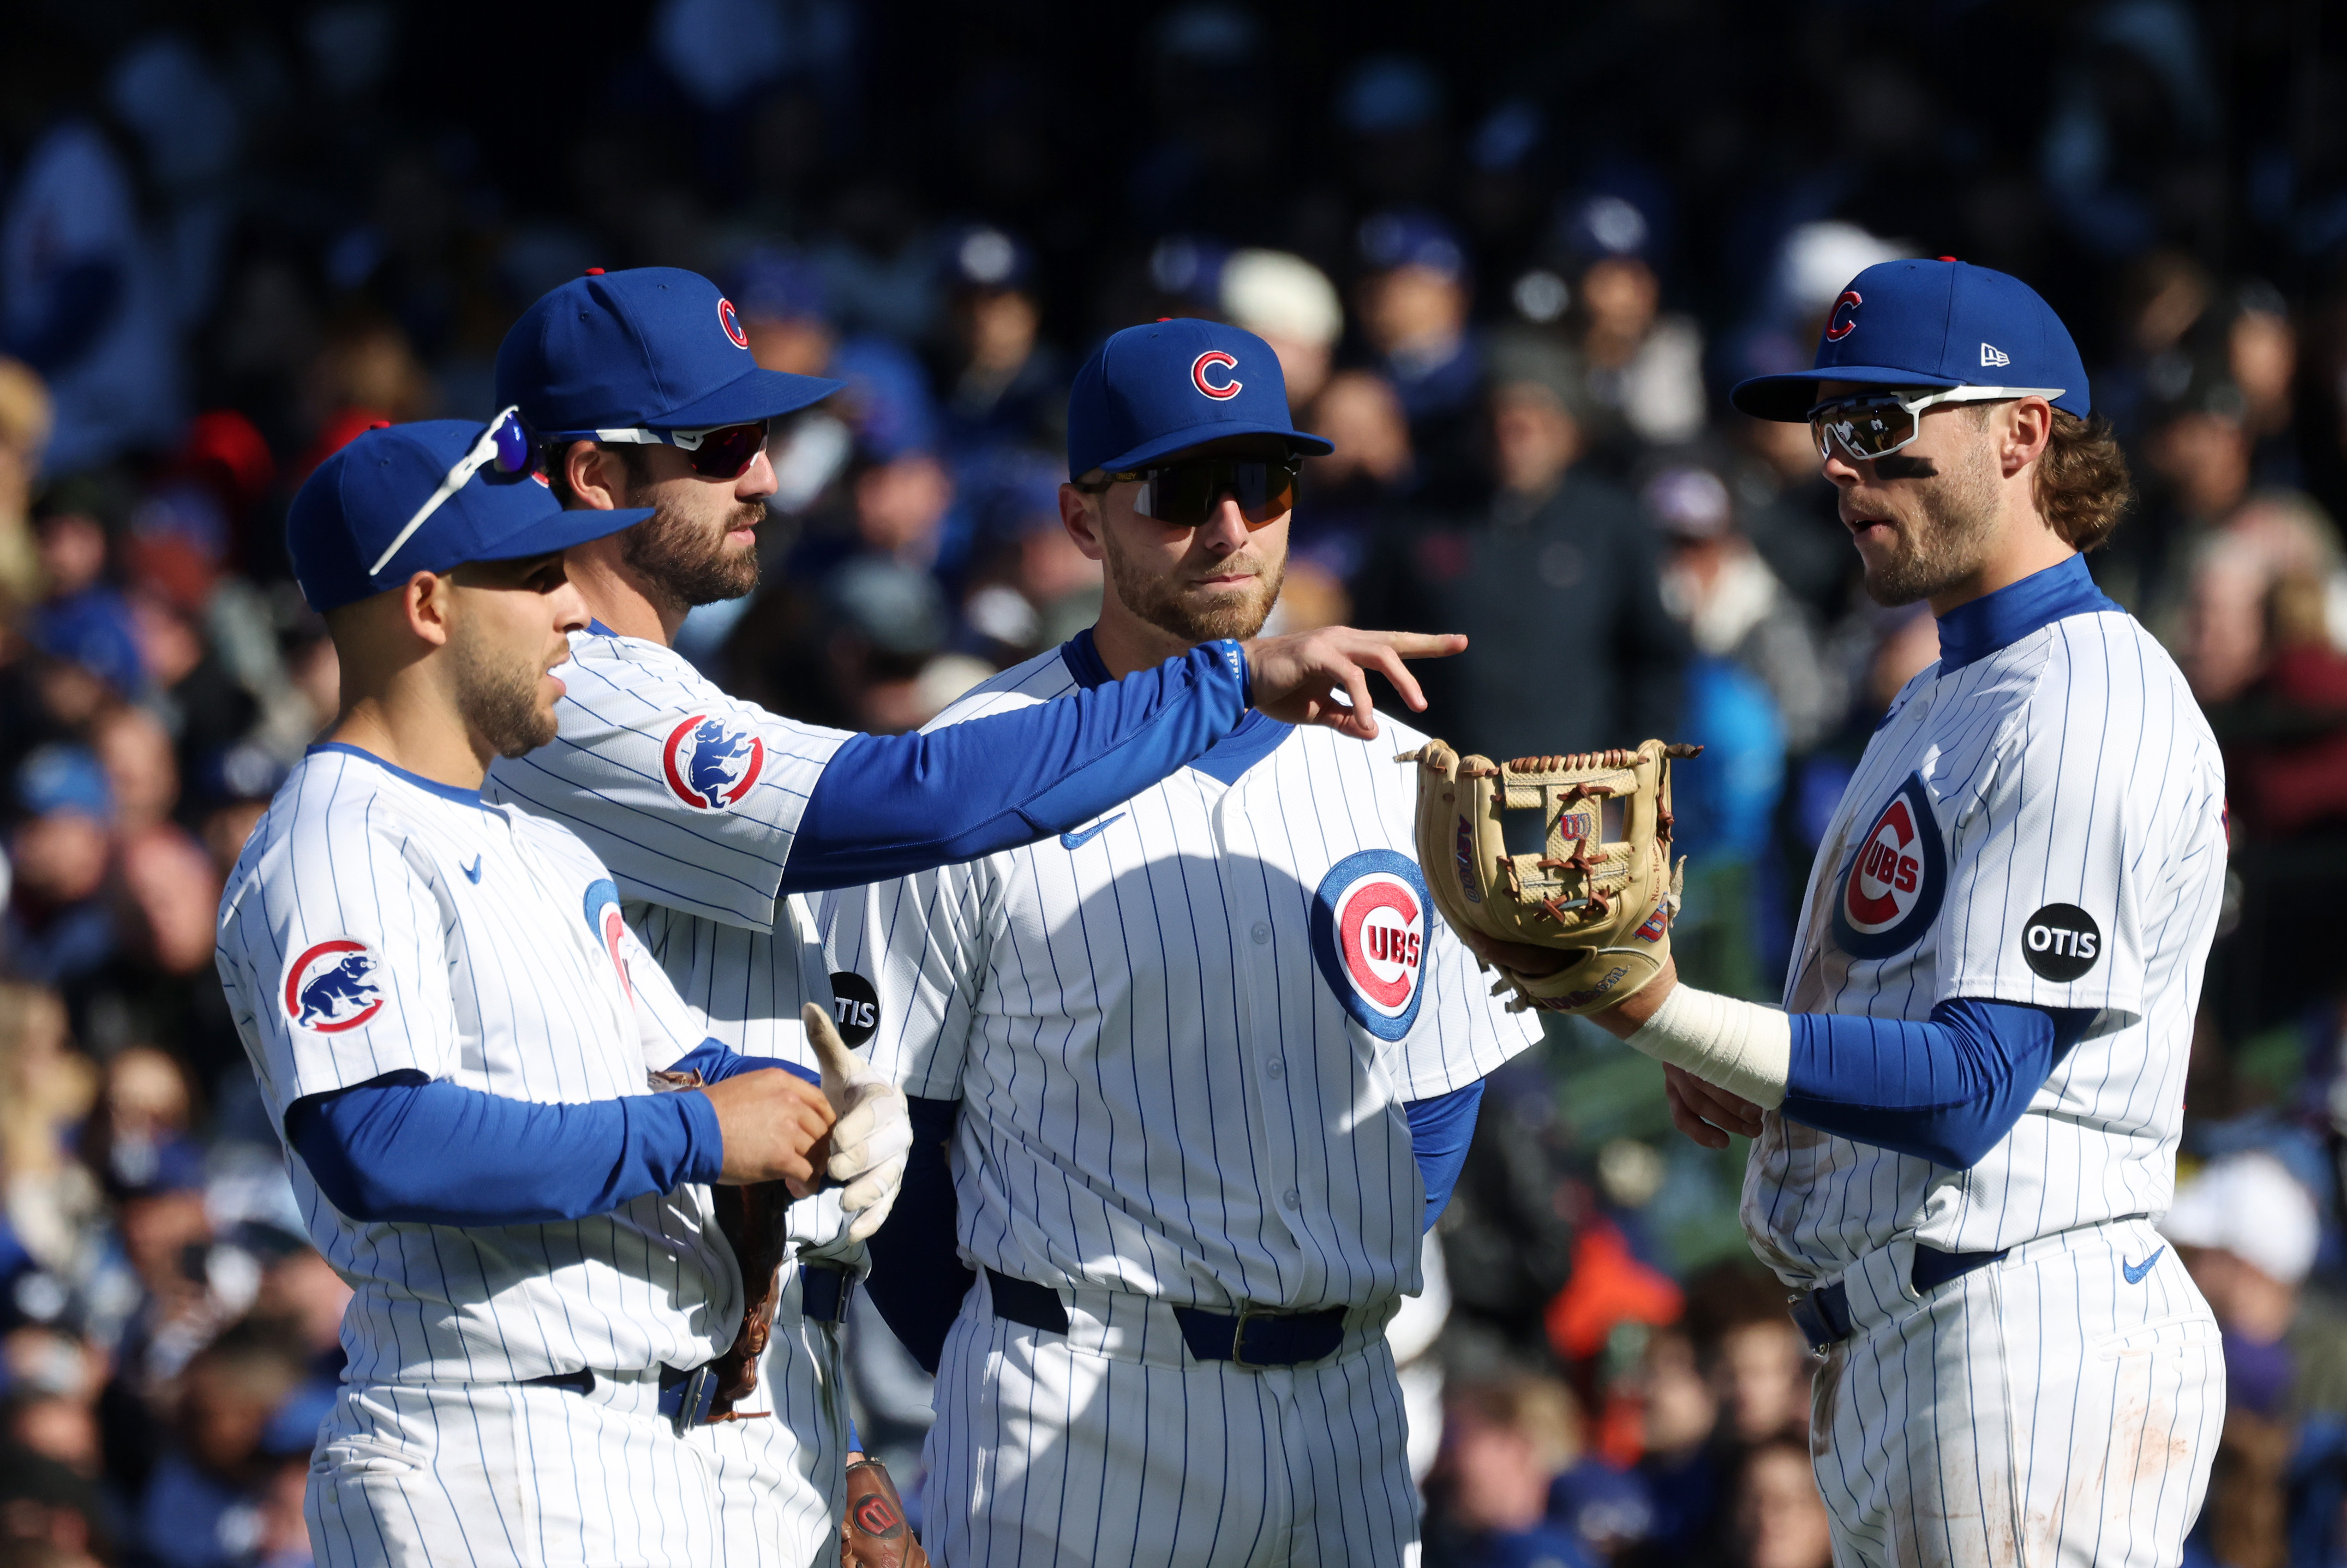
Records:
x=1237, y=850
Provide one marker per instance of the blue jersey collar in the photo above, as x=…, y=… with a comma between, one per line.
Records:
x=1973, y=630
x=1256, y=737
x=596, y=629
x=462, y=796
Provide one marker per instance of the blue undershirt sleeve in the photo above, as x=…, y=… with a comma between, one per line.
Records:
x=716, y=1062
x=890, y=806
x=1947, y=1088
x=406, y=1148
x=917, y=1278
x=1439, y=1130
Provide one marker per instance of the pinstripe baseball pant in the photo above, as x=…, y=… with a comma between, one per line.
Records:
x=1111, y=1445
x=507, y=1474
x=2060, y=1406
x=781, y=1480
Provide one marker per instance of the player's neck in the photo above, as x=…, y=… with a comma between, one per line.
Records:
x=618, y=596
x=2026, y=545
x=415, y=731
x=1127, y=644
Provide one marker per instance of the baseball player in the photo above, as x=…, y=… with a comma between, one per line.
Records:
x=717, y=817
x=1967, y=1115
x=1212, y=1063
x=457, y=1037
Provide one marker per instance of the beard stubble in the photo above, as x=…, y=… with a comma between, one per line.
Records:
x=1947, y=542
x=685, y=561
x=1157, y=601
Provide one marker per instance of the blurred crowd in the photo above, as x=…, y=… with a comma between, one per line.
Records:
x=1508, y=268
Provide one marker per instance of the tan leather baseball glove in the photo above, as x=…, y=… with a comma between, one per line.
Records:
x=1602, y=889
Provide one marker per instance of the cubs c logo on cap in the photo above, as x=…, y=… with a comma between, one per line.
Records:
x=1844, y=320
x=1215, y=359
x=709, y=764
x=1369, y=936
x=331, y=986
x=1888, y=893
x=610, y=928
x=731, y=322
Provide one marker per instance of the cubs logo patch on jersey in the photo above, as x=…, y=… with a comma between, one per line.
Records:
x=1888, y=894
x=709, y=764
x=1368, y=933
x=331, y=986
x=610, y=928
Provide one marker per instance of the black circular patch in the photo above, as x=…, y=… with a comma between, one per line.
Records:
x=2061, y=942
x=854, y=1007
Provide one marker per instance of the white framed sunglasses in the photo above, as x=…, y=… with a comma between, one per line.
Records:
x=1868, y=424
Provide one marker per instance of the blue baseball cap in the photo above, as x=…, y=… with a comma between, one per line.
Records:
x=652, y=348
x=344, y=528
x=1157, y=389
x=1938, y=325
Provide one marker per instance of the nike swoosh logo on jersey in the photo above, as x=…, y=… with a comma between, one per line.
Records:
x=473, y=872
x=2136, y=1271
x=1078, y=840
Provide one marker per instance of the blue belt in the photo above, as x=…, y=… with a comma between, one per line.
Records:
x=684, y=1396
x=1251, y=1339
x=1823, y=1315
x=824, y=1292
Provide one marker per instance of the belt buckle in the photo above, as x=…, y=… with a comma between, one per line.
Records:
x=1248, y=1313
x=700, y=1391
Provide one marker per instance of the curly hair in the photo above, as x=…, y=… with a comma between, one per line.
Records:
x=2083, y=487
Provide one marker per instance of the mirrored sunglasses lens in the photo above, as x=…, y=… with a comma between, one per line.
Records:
x=514, y=453
x=1864, y=429
x=727, y=454
x=1185, y=494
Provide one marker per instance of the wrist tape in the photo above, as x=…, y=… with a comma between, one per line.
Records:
x=1738, y=1046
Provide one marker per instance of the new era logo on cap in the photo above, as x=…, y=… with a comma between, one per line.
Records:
x=1934, y=325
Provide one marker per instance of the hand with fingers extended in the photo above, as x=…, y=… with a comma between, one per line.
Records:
x=772, y=1121
x=869, y=1143
x=1297, y=677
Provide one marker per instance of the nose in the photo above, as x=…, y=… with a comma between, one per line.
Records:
x=757, y=481
x=1840, y=468
x=570, y=608
x=1226, y=529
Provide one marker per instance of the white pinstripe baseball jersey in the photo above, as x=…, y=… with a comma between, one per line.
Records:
x=692, y=798
x=696, y=798
x=378, y=922
x=2043, y=825
x=1184, y=1034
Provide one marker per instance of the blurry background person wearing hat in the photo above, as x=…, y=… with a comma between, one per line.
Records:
x=2248, y=1230
x=1549, y=567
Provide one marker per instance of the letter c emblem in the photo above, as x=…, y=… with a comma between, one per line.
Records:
x=1215, y=358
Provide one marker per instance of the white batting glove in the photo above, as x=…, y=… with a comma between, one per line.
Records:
x=873, y=1133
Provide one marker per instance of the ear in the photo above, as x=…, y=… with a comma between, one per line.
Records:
x=1081, y=514
x=428, y=603
x=597, y=476
x=2027, y=428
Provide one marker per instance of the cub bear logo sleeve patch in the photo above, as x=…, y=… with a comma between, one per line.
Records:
x=2061, y=942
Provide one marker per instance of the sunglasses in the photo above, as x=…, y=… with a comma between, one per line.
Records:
x=1877, y=423
x=720, y=452
x=503, y=441
x=1186, y=493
